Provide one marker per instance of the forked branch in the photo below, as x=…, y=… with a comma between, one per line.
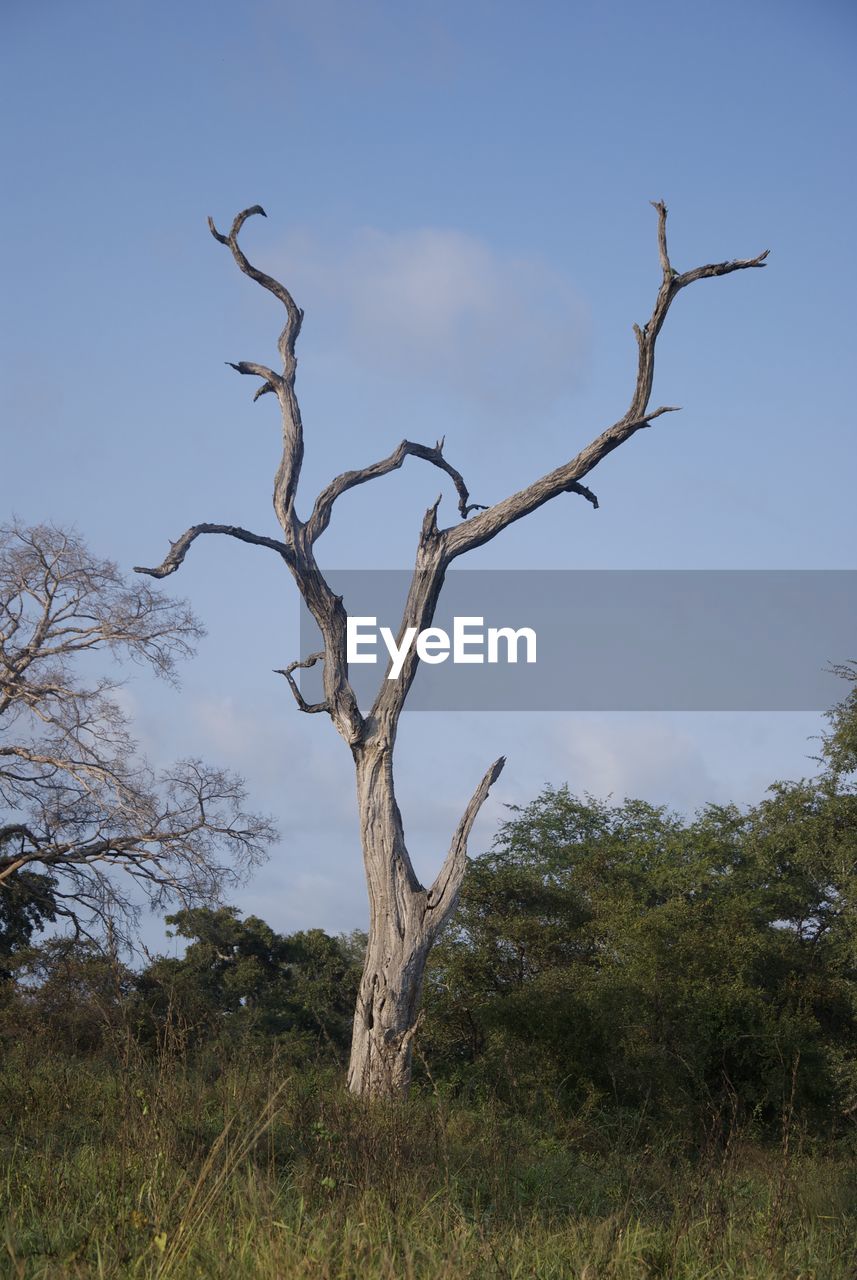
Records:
x=437, y=548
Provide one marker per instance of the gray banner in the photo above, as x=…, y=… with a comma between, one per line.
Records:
x=613, y=640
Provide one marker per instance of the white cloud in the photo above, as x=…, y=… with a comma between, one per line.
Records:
x=443, y=309
x=637, y=756
x=682, y=759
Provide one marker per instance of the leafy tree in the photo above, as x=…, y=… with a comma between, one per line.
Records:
x=804, y=842
x=625, y=951
x=73, y=991
x=27, y=904
x=239, y=976
x=840, y=742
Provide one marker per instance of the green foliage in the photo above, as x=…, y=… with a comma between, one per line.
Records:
x=840, y=742
x=240, y=978
x=639, y=1059
x=71, y=994
x=619, y=951
x=27, y=904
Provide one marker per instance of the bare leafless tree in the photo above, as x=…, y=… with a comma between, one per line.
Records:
x=405, y=917
x=77, y=801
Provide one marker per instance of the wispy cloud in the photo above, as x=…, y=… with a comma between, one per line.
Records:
x=442, y=309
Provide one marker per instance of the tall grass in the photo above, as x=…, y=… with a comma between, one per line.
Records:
x=226, y=1165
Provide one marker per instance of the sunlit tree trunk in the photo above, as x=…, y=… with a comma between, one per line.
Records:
x=401, y=931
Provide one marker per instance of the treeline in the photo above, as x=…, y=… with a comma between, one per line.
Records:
x=628, y=956
x=238, y=983
x=617, y=954
x=613, y=953
x=623, y=954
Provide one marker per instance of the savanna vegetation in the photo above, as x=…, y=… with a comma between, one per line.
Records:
x=638, y=1057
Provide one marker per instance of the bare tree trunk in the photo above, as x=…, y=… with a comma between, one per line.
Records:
x=400, y=936
x=404, y=921
x=385, y=1020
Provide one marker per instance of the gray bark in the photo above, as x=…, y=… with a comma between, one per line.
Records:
x=404, y=921
x=405, y=918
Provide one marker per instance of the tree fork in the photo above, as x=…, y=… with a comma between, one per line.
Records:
x=405, y=919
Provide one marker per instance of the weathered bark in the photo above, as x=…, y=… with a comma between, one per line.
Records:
x=405, y=918
x=399, y=940
x=404, y=921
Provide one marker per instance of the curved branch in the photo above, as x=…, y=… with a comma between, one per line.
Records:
x=443, y=895
x=575, y=487
x=321, y=513
x=294, y=315
x=288, y=472
x=311, y=708
x=180, y=548
x=270, y=381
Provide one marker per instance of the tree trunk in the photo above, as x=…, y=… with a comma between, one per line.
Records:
x=385, y=1019
x=400, y=938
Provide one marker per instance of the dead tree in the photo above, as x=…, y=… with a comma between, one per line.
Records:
x=405, y=917
x=87, y=827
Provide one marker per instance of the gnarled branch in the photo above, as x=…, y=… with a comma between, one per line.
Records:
x=180, y=548
x=405, y=919
x=311, y=708
x=270, y=380
x=437, y=548
x=283, y=385
x=320, y=518
x=294, y=315
x=575, y=487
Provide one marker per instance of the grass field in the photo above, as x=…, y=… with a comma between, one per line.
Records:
x=225, y=1168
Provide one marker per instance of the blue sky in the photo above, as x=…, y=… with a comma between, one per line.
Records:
x=458, y=196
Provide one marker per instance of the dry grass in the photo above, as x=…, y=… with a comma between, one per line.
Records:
x=228, y=1168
